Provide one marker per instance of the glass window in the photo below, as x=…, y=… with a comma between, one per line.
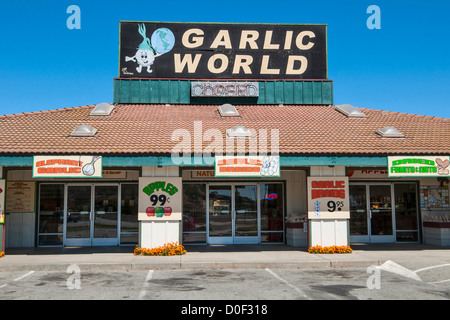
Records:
x=272, y=212
x=51, y=214
x=194, y=212
x=358, y=210
x=129, y=224
x=405, y=206
x=406, y=212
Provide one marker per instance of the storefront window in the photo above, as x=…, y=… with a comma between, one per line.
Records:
x=358, y=210
x=194, y=213
x=129, y=224
x=272, y=212
x=51, y=214
x=406, y=212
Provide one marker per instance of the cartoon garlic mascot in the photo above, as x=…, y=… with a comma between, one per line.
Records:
x=145, y=55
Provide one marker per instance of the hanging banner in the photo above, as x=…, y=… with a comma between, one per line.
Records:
x=160, y=198
x=328, y=198
x=419, y=166
x=67, y=166
x=247, y=166
x=158, y=50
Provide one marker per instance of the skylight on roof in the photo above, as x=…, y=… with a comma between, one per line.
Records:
x=228, y=110
x=238, y=131
x=83, y=131
x=350, y=111
x=102, y=109
x=390, y=132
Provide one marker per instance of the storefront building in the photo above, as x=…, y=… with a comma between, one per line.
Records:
x=223, y=134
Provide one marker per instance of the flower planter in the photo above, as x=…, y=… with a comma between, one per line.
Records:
x=296, y=236
x=436, y=233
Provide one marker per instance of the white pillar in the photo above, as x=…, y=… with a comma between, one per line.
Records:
x=157, y=233
x=328, y=232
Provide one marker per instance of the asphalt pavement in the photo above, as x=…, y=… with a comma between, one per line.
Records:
x=412, y=256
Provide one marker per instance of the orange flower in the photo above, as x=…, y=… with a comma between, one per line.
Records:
x=168, y=249
x=330, y=250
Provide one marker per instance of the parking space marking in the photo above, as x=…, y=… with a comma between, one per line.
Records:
x=143, y=292
x=24, y=276
x=288, y=284
x=17, y=279
x=432, y=267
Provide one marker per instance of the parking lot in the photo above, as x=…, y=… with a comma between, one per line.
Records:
x=228, y=284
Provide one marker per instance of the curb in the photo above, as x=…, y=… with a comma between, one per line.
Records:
x=124, y=267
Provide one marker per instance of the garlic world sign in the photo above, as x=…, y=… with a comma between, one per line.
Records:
x=222, y=51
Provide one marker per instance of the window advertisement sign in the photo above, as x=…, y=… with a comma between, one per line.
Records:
x=328, y=198
x=247, y=166
x=161, y=50
x=160, y=198
x=21, y=196
x=67, y=166
x=419, y=166
x=2, y=200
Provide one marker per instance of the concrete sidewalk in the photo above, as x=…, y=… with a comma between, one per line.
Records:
x=98, y=259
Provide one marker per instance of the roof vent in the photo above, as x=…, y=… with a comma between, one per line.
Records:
x=238, y=131
x=83, y=131
x=228, y=110
x=350, y=111
x=102, y=109
x=390, y=132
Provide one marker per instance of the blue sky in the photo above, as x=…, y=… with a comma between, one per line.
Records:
x=402, y=67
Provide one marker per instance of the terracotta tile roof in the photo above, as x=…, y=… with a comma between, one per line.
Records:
x=147, y=129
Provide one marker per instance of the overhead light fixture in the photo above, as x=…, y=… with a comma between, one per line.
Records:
x=238, y=131
x=228, y=110
x=83, y=131
x=350, y=111
x=390, y=132
x=102, y=109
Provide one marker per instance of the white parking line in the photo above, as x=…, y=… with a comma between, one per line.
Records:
x=288, y=284
x=24, y=276
x=146, y=284
x=432, y=267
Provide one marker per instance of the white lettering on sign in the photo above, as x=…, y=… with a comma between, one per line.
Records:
x=224, y=89
x=222, y=51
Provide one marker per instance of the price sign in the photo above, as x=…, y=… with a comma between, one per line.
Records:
x=160, y=198
x=328, y=198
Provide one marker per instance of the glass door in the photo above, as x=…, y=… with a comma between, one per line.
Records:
x=371, y=213
x=91, y=215
x=245, y=214
x=220, y=214
x=78, y=215
x=233, y=214
x=380, y=210
x=358, y=214
x=105, y=215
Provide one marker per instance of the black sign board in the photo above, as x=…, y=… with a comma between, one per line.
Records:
x=168, y=50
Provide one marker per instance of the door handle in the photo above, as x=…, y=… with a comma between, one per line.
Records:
x=370, y=214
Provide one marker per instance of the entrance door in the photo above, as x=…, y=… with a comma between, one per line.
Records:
x=233, y=214
x=371, y=213
x=91, y=215
x=380, y=210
